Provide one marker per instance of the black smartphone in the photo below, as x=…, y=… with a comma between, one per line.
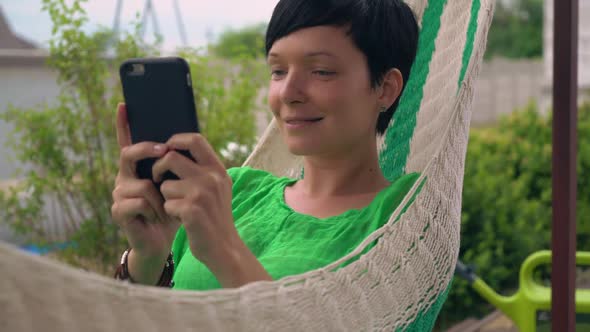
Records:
x=159, y=100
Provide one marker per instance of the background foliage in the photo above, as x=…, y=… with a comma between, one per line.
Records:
x=507, y=212
x=517, y=30
x=70, y=147
x=247, y=42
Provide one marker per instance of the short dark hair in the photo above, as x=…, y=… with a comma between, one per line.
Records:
x=385, y=31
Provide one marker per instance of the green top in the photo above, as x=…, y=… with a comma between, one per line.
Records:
x=284, y=241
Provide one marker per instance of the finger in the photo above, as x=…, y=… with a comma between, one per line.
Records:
x=127, y=210
x=173, y=208
x=173, y=189
x=177, y=164
x=198, y=147
x=141, y=189
x=136, y=225
x=131, y=154
x=123, y=133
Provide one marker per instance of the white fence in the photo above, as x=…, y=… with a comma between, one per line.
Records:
x=504, y=85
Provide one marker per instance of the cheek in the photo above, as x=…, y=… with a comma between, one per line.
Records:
x=347, y=100
x=333, y=96
x=354, y=114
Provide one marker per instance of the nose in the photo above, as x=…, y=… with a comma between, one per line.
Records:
x=293, y=88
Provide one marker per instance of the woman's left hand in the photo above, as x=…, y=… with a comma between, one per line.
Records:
x=201, y=198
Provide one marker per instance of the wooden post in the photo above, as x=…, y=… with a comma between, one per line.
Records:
x=565, y=91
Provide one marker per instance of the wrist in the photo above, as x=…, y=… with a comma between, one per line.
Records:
x=146, y=270
x=235, y=266
x=152, y=258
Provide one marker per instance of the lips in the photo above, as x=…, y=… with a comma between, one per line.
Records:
x=301, y=123
x=300, y=120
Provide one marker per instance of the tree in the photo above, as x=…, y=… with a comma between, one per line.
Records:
x=247, y=42
x=517, y=30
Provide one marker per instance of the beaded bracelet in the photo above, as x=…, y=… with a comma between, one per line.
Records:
x=122, y=272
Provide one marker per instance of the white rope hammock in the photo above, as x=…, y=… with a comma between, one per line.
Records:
x=389, y=288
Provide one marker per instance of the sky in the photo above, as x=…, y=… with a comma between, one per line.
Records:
x=203, y=19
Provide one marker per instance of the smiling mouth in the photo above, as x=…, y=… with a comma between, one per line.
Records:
x=303, y=121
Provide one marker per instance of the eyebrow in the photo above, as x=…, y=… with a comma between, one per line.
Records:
x=307, y=55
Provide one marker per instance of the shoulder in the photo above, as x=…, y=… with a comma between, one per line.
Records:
x=246, y=173
x=403, y=184
x=254, y=191
x=406, y=180
x=249, y=178
x=398, y=189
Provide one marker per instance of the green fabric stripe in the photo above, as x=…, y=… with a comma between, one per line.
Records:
x=425, y=321
x=471, y=31
x=397, y=138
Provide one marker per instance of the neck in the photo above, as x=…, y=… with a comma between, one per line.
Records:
x=356, y=171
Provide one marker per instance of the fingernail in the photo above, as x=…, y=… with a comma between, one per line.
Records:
x=159, y=148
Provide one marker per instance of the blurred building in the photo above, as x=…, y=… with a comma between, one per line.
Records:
x=25, y=81
x=507, y=84
x=504, y=85
x=583, y=51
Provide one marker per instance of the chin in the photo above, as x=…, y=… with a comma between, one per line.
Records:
x=299, y=150
x=306, y=145
x=303, y=148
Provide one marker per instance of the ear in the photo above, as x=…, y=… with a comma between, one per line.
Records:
x=391, y=87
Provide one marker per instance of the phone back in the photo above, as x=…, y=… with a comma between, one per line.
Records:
x=159, y=98
x=159, y=102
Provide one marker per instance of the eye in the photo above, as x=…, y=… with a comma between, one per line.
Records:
x=277, y=73
x=324, y=73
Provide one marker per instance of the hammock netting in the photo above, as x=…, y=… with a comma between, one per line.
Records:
x=398, y=284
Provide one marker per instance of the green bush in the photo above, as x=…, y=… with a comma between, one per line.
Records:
x=507, y=203
x=71, y=145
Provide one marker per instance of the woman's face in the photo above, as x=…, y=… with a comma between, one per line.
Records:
x=320, y=92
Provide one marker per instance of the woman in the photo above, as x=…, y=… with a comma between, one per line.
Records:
x=337, y=71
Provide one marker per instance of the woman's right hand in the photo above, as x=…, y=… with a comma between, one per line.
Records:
x=138, y=207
